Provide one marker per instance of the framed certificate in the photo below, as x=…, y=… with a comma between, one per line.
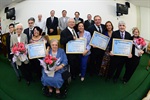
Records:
x=77, y=46
x=36, y=50
x=122, y=47
x=99, y=40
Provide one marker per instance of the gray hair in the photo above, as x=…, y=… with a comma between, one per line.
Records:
x=31, y=19
x=53, y=40
x=70, y=20
x=19, y=25
x=121, y=23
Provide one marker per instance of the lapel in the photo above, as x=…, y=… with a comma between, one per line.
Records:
x=95, y=28
x=22, y=38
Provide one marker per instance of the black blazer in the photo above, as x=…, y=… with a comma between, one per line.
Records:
x=76, y=26
x=92, y=28
x=66, y=36
x=52, y=25
x=8, y=46
x=26, y=31
x=116, y=34
x=87, y=24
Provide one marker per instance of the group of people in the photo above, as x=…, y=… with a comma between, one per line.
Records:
x=101, y=62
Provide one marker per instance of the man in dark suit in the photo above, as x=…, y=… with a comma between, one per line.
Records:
x=66, y=35
x=77, y=20
x=96, y=53
x=10, y=56
x=51, y=24
x=117, y=62
x=29, y=31
x=88, y=22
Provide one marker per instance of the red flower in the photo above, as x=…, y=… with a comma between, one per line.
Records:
x=49, y=60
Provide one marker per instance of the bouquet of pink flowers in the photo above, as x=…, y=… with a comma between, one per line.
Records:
x=20, y=53
x=50, y=61
x=49, y=64
x=140, y=43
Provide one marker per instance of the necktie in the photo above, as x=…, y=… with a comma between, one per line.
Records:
x=122, y=35
x=30, y=34
x=74, y=34
x=99, y=29
x=52, y=19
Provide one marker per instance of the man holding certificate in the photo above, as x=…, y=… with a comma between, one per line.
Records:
x=96, y=53
x=66, y=35
x=117, y=61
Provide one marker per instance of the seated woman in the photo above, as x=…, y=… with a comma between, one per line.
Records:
x=56, y=81
x=37, y=37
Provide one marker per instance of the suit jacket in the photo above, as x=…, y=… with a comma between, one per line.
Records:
x=14, y=40
x=76, y=26
x=116, y=34
x=62, y=25
x=66, y=36
x=92, y=28
x=8, y=46
x=87, y=24
x=26, y=31
x=52, y=25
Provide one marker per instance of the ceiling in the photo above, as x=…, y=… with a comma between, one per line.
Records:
x=142, y=3
x=5, y=3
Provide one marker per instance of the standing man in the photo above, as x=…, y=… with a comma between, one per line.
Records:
x=41, y=23
x=10, y=56
x=66, y=35
x=63, y=20
x=117, y=62
x=51, y=24
x=21, y=37
x=96, y=53
x=29, y=31
x=77, y=20
x=88, y=22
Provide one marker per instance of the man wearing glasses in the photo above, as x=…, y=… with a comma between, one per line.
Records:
x=29, y=31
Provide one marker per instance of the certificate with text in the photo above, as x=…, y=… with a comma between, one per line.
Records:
x=36, y=50
x=77, y=46
x=99, y=40
x=122, y=47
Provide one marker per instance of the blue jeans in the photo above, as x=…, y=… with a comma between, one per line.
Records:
x=83, y=64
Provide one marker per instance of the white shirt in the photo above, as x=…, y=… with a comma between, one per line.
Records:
x=98, y=28
x=18, y=37
x=41, y=24
x=71, y=30
x=123, y=34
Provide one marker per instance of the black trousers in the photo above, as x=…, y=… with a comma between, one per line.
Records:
x=116, y=65
x=36, y=67
x=96, y=58
x=131, y=66
x=26, y=71
x=73, y=61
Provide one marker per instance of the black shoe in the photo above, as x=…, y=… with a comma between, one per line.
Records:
x=115, y=80
x=60, y=96
x=19, y=79
x=28, y=83
x=46, y=91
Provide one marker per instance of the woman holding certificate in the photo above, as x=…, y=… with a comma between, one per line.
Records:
x=37, y=37
x=106, y=58
x=137, y=52
x=84, y=57
x=56, y=81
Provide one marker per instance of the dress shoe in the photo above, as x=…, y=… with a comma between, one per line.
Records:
x=115, y=80
x=19, y=79
x=60, y=96
x=28, y=83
